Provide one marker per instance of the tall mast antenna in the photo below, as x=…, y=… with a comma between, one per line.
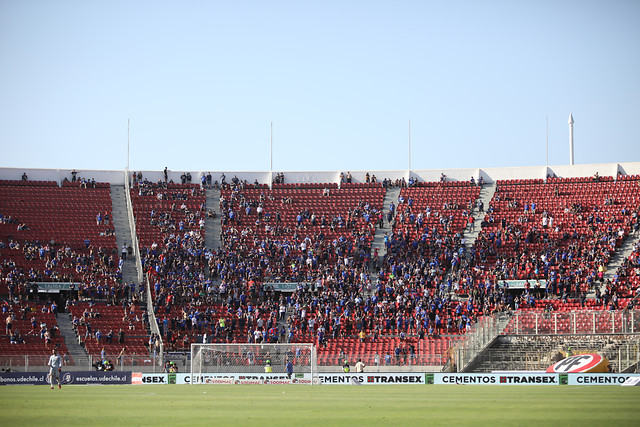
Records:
x=571, y=139
x=409, y=147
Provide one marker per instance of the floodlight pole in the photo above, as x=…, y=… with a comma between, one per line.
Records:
x=571, y=139
x=409, y=148
x=128, y=120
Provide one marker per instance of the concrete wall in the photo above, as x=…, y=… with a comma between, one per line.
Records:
x=264, y=177
x=58, y=175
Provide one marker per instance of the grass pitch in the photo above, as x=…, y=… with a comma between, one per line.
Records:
x=326, y=405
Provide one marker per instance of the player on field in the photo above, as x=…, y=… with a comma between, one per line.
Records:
x=55, y=367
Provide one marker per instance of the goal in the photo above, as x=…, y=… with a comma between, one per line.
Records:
x=239, y=363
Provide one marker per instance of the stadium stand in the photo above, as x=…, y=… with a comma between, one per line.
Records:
x=564, y=230
x=627, y=277
x=295, y=262
x=54, y=234
x=33, y=331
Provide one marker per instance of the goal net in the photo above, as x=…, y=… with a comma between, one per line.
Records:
x=253, y=363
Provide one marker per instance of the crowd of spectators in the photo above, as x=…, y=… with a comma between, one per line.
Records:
x=520, y=240
x=335, y=295
x=32, y=324
x=224, y=297
x=626, y=280
x=90, y=271
x=344, y=288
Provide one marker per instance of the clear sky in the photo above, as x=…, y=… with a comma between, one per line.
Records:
x=201, y=81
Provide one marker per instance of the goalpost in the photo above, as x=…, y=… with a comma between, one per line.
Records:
x=254, y=363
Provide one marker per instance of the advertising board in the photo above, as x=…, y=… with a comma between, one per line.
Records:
x=600, y=379
x=72, y=377
x=147, y=379
x=244, y=378
x=533, y=378
x=373, y=378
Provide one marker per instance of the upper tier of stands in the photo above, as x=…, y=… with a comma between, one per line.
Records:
x=562, y=230
x=167, y=209
x=289, y=233
x=51, y=233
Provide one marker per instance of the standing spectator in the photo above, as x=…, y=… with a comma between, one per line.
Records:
x=120, y=358
x=124, y=251
x=289, y=368
x=9, y=322
x=360, y=366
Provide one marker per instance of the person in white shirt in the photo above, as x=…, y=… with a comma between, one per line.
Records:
x=360, y=366
x=55, y=367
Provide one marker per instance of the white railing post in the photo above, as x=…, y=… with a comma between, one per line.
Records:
x=153, y=322
x=132, y=226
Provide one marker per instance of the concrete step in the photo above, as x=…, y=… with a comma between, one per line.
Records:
x=213, y=226
x=122, y=228
x=76, y=351
x=486, y=194
x=622, y=253
x=391, y=195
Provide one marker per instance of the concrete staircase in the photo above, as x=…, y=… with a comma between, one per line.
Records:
x=486, y=194
x=470, y=236
x=213, y=226
x=80, y=357
x=123, y=231
x=618, y=258
x=391, y=195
